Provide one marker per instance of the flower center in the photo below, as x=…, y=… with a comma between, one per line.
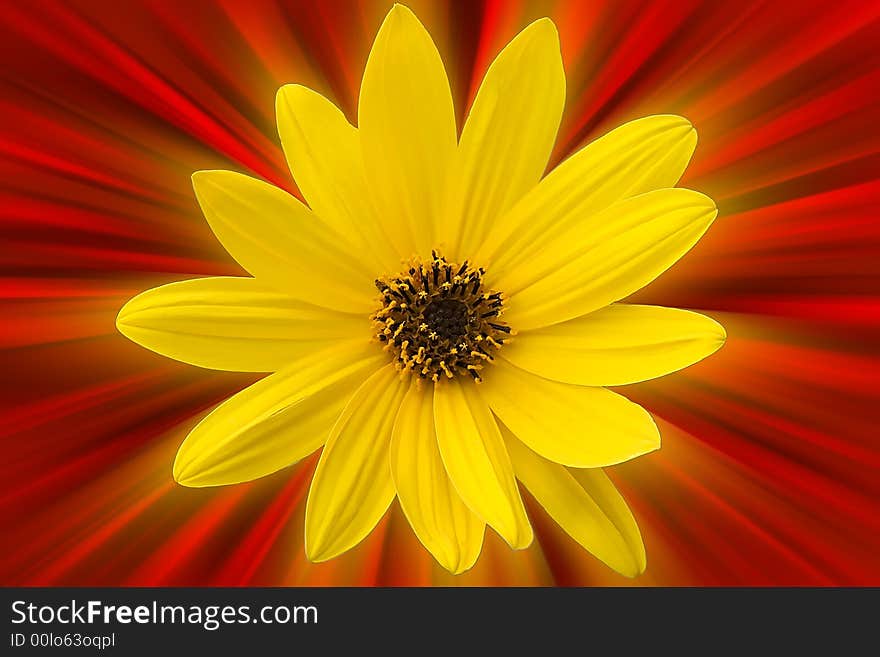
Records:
x=437, y=319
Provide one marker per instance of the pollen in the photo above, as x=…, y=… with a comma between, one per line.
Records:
x=438, y=320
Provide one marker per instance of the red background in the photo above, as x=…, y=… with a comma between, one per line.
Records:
x=770, y=467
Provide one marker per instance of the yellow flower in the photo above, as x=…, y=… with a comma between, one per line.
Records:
x=440, y=318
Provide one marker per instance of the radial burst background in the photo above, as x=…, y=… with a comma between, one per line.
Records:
x=770, y=468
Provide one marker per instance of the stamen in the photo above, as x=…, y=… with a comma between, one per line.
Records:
x=435, y=319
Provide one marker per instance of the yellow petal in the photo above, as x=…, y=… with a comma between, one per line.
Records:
x=352, y=487
x=586, y=505
x=323, y=152
x=509, y=133
x=617, y=345
x=578, y=426
x=407, y=127
x=276, y=421
x=639, y=156
x=281, y=243
x=233, y=324
x=580, y=271
x=474, y=455
x=444, y=525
